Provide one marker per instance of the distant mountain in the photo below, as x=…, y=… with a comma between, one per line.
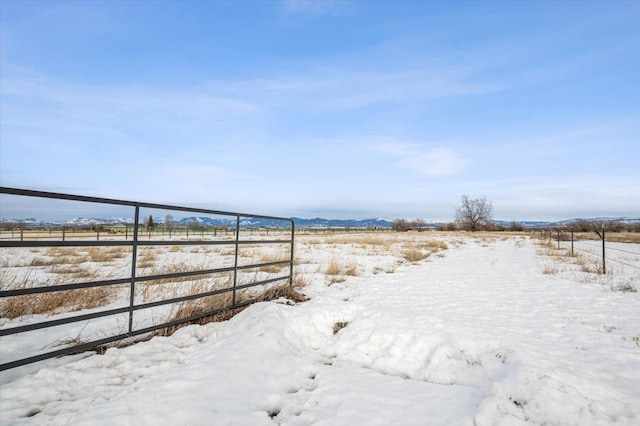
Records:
x=545, y=224
x=341, y=223
x=623, y=219
x=83, y=221
x=203, y=220
x=300, y=223
x=317, y=223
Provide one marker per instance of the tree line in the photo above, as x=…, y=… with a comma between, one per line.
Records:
x=475, y=214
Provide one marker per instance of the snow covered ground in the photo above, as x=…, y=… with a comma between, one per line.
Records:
x=482, y=333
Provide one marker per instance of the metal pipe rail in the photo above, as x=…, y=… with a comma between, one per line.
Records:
x=134, y=242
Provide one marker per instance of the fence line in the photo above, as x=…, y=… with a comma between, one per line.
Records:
x=284, y=247
x=601, y=248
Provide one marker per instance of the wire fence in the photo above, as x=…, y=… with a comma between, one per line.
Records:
x=609, y=254
x=606, y=252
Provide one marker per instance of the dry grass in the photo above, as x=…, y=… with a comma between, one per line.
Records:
x=75, y=272
x=62, y=251
x=613, y=237
x=336, y=267
x=629, y=286
x=272, y=269
x=589, y=268
x=414, y=255
x=190, y=308
x=107, y=254
x=339, y=326
x=220, y=305
x=176, y=268
x=161, y=289
x=351, y=269
x=228, y=252
x=64, y=256
x=588, y=264
x=281, y=291
x=300, y=279
x=39, y=261
x=434, y=245
x=51, y=303
x=550, y=268
x=147, y=258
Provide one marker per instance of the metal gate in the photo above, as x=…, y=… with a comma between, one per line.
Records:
x=150, y=268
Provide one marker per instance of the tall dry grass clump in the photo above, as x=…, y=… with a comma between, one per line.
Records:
x=336, y=267
x=414, y=255
x=107, y=254
x=51, y=303
x=435, y=244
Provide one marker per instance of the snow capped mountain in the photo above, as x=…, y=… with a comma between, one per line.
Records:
x=83, y=221
x=319, y=223
x=341, y=223
x=205, y=221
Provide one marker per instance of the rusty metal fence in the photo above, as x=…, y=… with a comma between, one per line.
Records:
x=150, y=276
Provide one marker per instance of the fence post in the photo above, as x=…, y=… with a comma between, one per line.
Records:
x=572, y=241
x=235, y=267
x=134, y=260
x=293, y=229
x=604, y=266
x=558, y=238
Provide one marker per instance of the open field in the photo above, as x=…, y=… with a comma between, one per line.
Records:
x=401, y=328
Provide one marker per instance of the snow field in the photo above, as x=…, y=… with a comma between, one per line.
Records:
x=475, y=334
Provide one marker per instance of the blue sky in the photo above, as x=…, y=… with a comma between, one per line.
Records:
x=334, y=109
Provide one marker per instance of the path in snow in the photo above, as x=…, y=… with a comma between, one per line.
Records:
x=479, y=336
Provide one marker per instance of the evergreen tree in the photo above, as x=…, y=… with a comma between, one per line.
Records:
x=151, y=224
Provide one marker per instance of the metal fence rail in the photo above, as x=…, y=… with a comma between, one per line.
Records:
x=134, y=241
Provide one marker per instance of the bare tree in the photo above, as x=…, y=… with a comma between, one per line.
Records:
x=168, y=223
x=418, y=224
x=474, y=214
x=401, y=225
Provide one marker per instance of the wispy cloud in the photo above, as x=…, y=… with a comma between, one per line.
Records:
x=111, y=102
x=347, y=89
x=436, y=161
x=44, y=113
